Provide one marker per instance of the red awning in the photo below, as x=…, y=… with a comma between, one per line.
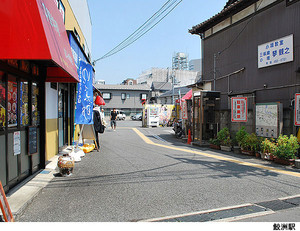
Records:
x=187, y=95
x=34, y=30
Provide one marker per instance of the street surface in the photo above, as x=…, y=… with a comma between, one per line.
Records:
x=146, y=173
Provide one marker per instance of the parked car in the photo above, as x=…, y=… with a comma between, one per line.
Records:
x=120, y=115
x=138, y=116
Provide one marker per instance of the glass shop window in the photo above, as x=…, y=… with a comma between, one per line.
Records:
x=24, y=103
x=35, y=111
x=2, y=101
x=12, y=101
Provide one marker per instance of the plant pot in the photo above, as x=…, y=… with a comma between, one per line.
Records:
x=225, y=148
x=248, y=152
x=271, y=157
x=257, y=155
x=263, y=156
x=213, y=146
x=284, y=161
x=237, y=149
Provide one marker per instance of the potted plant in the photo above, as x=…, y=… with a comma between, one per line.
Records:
x=214, y=144
x=249, y=144
x=267, y=149
x=224, y=137
x=236, y=147
x=258, y=147
x=285, y=150
x=238, y=139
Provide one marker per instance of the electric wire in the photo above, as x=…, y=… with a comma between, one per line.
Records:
x=143, y=29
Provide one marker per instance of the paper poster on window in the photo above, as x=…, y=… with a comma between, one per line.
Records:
x=239, y=109
x=17, y=143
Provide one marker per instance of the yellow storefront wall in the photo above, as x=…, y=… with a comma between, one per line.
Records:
x=51, y=138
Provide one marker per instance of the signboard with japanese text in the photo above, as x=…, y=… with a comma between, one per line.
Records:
x=239, y=109
x=184, y=110
x=297, y=109
x=276, y=52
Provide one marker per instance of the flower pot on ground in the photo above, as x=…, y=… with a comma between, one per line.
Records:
x=284, y=161
x=286, y=149
x=214, y=144
x=257, y=154
x=237, y=149
x=226, y=148
x=224, y=138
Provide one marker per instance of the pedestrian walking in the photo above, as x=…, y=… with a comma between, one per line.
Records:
x=113, y=118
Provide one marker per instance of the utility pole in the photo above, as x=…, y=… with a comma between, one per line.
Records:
x=173, y=82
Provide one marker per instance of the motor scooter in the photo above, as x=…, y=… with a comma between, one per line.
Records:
x=177, y=127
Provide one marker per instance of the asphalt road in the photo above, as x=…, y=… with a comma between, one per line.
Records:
x=130, y=180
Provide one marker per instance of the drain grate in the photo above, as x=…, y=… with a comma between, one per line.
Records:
x=294, y=201
x=218, y=215
x=277, y=205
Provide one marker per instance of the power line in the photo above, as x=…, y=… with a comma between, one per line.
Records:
x=142, y=30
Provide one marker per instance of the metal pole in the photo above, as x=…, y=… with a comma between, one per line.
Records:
x=215, y=56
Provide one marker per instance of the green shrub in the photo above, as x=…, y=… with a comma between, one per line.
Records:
x=250, y=142
x=240, y=135
x=267, y=146
x=223, y=137
x=286, y=147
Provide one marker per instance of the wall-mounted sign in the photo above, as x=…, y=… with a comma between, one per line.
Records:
x=239, y=109
x=297, y=110
x=269, y=119
x=276, y=52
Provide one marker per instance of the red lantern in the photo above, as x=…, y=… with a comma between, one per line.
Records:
x=98, y=100
x=102, y=101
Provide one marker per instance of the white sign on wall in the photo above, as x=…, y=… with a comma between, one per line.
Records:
x=276, y=52
x=17, y=143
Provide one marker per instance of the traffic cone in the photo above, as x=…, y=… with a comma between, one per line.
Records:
x=189, y=137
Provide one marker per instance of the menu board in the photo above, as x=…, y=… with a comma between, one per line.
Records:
x=32, y=140
x=12, y=103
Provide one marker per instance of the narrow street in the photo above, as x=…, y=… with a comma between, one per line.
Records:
x=131, y=180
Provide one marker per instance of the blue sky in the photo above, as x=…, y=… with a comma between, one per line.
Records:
x=115, y=20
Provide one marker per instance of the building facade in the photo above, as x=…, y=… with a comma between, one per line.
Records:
x=251, y=49
x=181, y=77
x=127, y=98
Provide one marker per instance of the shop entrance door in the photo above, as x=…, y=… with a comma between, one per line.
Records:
x=62, y=115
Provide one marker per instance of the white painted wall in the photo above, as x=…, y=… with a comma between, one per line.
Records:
x=51, y=102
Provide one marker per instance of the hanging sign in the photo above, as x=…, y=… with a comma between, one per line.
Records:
x=297, y=110
x=4, y=206
x=84, y=101
x=184, y=110
x=239, y=109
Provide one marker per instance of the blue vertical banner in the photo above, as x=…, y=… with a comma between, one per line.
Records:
x=84, y=101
